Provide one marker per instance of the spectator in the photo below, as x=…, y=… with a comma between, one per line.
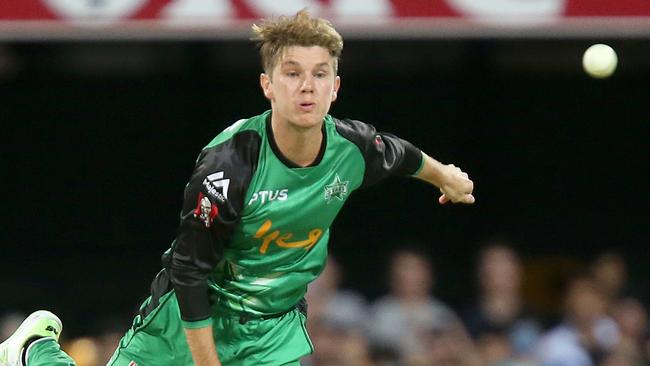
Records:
x=337, y=344
x=610, y=272
x=326, y=299
x=400, y=319
x=586, y=334
x=632, y=320
x=499, y=314
x=337, y=321
x=448, y=344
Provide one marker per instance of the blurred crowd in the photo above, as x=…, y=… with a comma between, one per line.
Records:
x=598, y=322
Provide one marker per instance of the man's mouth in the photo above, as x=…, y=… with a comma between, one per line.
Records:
x=307, y=106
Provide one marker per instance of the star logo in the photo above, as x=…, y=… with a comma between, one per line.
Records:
x=336, y=189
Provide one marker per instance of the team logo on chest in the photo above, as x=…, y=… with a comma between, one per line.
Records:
x=282, y=240
x=336, y=189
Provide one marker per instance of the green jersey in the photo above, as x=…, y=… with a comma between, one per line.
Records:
x=254, y=226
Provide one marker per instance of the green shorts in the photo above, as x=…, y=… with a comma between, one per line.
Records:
x=159, y=339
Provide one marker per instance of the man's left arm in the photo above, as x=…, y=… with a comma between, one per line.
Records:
x=386, y=154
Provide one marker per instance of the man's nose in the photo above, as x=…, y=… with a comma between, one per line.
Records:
x=307, y=84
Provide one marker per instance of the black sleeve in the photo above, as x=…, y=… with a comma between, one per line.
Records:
x=213, y=201
x=384, y=154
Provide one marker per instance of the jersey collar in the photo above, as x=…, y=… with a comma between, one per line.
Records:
x=284, y=159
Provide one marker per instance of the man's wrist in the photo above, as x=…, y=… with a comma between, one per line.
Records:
x=432, y=171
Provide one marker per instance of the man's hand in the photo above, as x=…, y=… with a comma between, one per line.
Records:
x=455, y=186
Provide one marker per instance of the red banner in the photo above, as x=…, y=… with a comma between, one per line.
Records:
x=363, y=11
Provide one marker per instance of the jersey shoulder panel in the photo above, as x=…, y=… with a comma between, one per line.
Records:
x=356, y=132
x=224, y=170
x=384, y=154
x=255, y=123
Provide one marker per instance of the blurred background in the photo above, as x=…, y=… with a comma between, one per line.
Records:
x=105, y=104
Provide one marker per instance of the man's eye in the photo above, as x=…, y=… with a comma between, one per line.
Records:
x=292, y=74
x=321, y=75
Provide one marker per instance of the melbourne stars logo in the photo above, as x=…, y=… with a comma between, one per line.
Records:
x=336, y=189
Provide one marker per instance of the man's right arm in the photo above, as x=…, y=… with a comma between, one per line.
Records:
x=202, y=346
x=196, y=251
x=213, y=201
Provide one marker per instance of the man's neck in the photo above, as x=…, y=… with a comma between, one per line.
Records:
x=300, y=146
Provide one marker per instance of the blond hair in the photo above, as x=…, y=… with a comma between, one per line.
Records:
x=275, y=36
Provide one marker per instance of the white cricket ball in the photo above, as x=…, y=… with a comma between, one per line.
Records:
x=599, y=61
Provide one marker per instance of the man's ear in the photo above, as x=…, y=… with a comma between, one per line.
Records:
x=337, y=85
x=265, y=83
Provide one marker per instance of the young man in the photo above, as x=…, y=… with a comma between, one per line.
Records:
x=255, y=221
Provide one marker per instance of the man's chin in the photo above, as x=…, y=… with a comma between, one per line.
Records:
x=308, y=121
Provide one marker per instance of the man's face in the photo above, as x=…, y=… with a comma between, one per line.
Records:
x=302, y=85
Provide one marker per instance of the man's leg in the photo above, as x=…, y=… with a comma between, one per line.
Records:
x=46, y=351
x=158, y=339
x=262, y=342
x=35, y=343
